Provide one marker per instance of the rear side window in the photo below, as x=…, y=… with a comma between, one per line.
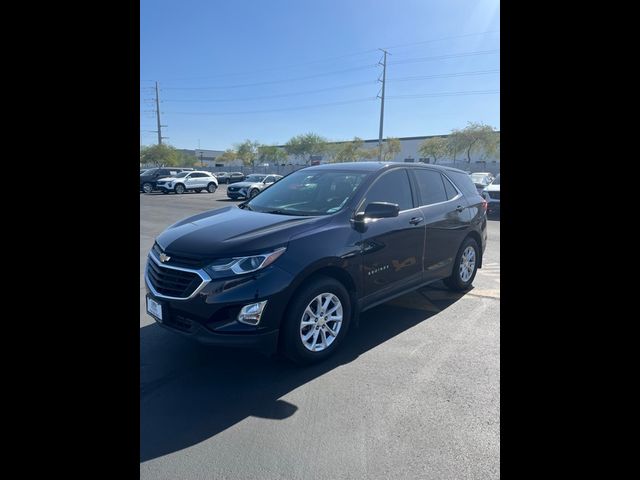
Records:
x=392, y=187
x=430, y=186
x=449, y=188
x=463, y=182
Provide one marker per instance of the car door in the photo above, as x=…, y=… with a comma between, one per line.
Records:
x=391, y=247
x=447, y=221
x=199, y=180
x=269, y=179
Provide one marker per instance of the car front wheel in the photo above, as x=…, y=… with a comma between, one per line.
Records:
x=465, y=266
x=317, y=321
x=253, y=192
x=180, y=189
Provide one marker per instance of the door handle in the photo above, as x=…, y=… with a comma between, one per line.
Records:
x=459, y=208
x=415, y=220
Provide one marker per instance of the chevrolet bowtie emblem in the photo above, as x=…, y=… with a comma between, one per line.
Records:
x=164, y=258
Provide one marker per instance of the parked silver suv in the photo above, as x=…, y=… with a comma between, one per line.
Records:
x=252, y=185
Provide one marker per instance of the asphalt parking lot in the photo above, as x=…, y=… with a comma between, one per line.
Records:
x=414, y=392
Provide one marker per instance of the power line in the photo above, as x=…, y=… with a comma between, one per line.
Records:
x=273, y=81
x=368, y=99
x=443, y=75
x=440, y=57
x=328, y=89
x=329, y=59
x=444, y=94
x=340, y=87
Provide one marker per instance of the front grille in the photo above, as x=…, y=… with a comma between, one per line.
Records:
x=170, y=282
x=494, y=195
x=234, y=189
x=178, y=260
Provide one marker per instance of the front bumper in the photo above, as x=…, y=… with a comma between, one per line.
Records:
x=236, y=195
x=210, y=316
x=164, y=188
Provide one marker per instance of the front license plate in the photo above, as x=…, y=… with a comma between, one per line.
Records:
x=154, y=308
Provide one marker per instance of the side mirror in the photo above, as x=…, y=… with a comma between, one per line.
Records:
x=381, y=210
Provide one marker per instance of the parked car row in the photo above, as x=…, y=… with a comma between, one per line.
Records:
x=492, y=195
x=481, y=180
x=178, y=180
x=229, y=177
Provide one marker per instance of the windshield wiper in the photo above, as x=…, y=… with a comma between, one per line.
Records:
x=245, y=205
x=276, y=212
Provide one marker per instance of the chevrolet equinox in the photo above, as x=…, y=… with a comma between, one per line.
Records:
x=291, y=269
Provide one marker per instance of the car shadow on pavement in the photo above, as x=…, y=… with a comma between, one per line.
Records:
x=190, y=392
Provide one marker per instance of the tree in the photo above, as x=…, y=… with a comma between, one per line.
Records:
x=348, y=151
x=159, y=155
x=390, y=148
x=183, y=159
x=247, y=151
x=228, y=155
x=473, y=136
x=305, y=146
x=271, y=154
x=453, y=145
x=435, y=147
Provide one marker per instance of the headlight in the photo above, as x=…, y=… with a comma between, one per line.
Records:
x=240, y=265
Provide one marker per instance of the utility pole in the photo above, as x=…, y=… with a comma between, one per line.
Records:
x=158, y=115
x=384, y=77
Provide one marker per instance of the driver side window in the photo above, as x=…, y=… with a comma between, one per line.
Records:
x=392, y=187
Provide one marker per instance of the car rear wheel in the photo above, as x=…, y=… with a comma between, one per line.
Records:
x=180, y=189
x=147, y=187
x=317, y=321
x=212, y=187
x=465, y=266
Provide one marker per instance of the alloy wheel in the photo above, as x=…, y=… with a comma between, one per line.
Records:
x=321, y=321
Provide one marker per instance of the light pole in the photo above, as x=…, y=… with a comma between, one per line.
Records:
x=201, y=161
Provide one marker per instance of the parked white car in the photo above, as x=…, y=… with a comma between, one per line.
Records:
x=195, y=181
x=492, y=195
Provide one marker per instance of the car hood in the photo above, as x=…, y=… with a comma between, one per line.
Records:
x=233, y=231
x=165, y=179
x=245, y=184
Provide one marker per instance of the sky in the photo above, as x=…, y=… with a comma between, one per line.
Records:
x=268, y=70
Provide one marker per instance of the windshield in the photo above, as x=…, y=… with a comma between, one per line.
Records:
x=480, y=178
x=309, y=193
x=151, y=171
x=255, y=178
x=182, y=174
x=497, y=180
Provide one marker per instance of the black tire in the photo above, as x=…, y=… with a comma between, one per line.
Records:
x=253, y=192
x=198, y=190
x=180, y=189
x=212, y=187
x=455, y=281
x=147, y=187
x=165, y=192
x=291, y=344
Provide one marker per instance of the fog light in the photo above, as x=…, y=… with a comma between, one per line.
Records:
x=250, y=314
